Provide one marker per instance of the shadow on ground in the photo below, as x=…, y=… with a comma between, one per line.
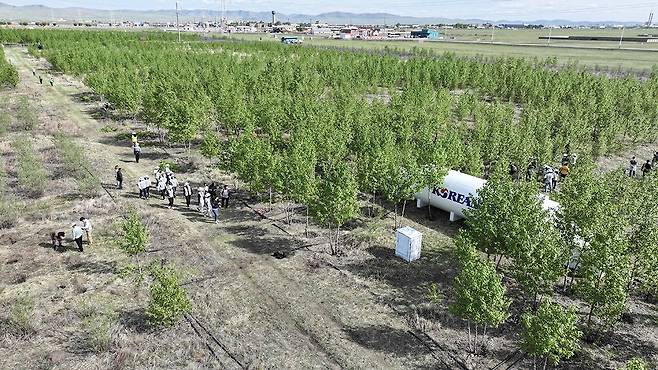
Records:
x=386, y=339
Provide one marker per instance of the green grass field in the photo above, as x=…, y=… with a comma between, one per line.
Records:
x=633, y=56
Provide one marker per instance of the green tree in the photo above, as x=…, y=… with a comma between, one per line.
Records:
x=211, y=145
x=169, y=301
x=134, y=235
x=299, y=182
x=508, y=219
x=335, y=202
x=550, y=333
x=593, y=220
x=637, y=363
x=480, y=295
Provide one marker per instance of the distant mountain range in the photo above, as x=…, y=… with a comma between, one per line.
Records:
x=41, y=13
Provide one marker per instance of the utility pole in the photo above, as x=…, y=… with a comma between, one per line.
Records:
x=493, y=31
x=621, y=39
x=177, y=23
x=550, y=33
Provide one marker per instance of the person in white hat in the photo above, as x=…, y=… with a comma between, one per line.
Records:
x=76, y=234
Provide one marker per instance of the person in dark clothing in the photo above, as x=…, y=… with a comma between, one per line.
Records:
x=119, y=177
x=137, y=151
x=212, y=189
x=170, y=195
x=214, y=205
x=513, y=171
x=531, y=170
x=41, y=80
x=56, y=238
x=646, y=168
x=226, y=194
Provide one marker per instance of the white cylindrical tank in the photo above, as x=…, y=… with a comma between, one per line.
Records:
x=456, y=195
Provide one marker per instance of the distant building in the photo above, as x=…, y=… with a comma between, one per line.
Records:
x=348, y=33
x=321, y=29
x=425, y=33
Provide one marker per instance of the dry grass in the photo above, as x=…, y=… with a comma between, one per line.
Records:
x=16, y=317
x=31, y=174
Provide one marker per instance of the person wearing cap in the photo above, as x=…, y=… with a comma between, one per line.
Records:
x=133, y=138
x=76, y=234
x=86, y=227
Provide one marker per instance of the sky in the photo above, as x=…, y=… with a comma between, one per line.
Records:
x=582, y=10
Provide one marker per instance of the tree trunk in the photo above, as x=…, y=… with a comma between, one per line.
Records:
x=589, y=315
x=545, y=362
x=331, y=241
x=429, y=206
x=404, y=208
x=574, y=273
x=632, y=277
x=372, y=205
x=564, y=282
x=470, y=348
x=534, y=302
x=306, y=229
x=475, y=340
x=395, y=218
x=500, y=258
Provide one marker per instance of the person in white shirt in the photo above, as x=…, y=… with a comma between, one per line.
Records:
x=206, y=201
x=225, y=193
x=162, y=186
x=174, y=183
x=147, y=187
x=86, y=227
x=76, y=234
x=140, y=186
x=137, y=151
x=201, y=191
x=187, y=192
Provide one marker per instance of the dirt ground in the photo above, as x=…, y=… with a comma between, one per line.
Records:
x=363, y=309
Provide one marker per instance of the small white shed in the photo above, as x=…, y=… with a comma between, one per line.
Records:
x=408, y=243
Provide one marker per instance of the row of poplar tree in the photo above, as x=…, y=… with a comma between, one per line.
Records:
x=599, y=247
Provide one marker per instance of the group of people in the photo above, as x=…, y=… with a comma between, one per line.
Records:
x=210, y=198
x=646, y=167
x=547, y=174
x=77, y=232
x=51, y=79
